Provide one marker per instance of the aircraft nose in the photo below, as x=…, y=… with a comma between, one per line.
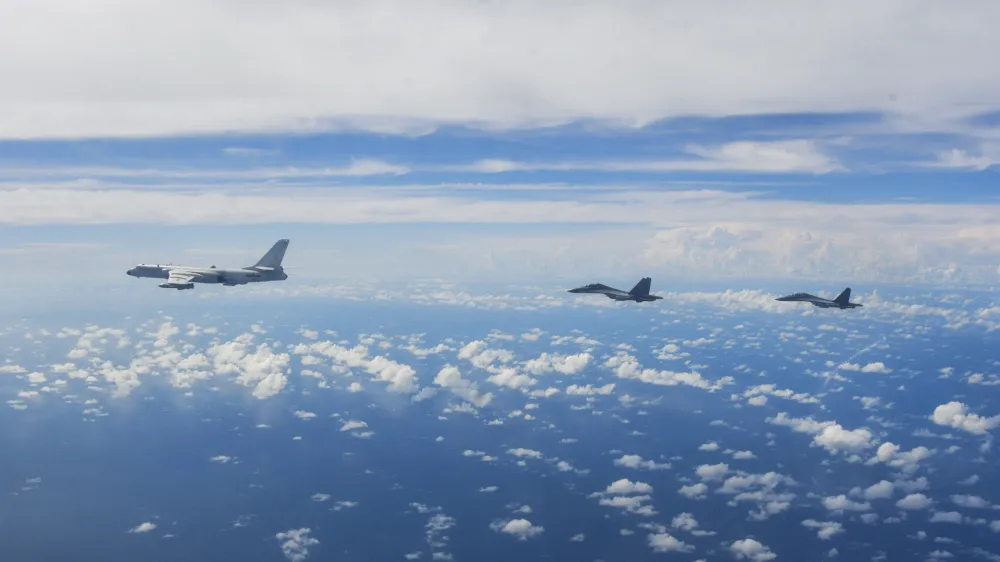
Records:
x=130, y=272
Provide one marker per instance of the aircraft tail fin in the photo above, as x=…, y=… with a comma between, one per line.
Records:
x=274, y=256
x=844, y=297
x=642, y=287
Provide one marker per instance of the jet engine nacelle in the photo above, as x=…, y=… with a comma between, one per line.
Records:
x=178, y=286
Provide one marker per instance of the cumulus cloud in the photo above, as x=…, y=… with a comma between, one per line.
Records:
x=825, y=530
x=665, y=542
x=953, y=414
x=914, y=502
x=694, y=491
x=295, y=543
x=878, y=367
x=710, y=472
x=751, y=549
x=451, y=378
x=520, y=528
x=628, y=367
x=829, y=435
x=260, y=368
x=636, y=461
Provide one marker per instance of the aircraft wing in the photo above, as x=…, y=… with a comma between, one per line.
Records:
x=181, y=277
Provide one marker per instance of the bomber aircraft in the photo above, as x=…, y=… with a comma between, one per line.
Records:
x=180, y=277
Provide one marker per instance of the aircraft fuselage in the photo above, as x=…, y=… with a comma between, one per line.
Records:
x=226, y=277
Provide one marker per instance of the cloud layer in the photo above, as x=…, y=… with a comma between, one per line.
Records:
x=118, y=69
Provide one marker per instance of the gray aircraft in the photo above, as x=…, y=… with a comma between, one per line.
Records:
x=180, y=277
x=842, y=301
x=639, y=293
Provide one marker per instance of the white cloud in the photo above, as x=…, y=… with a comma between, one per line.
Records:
x=588, y=390
x=710, y=472
x=953, y=414
x=352, y=425
x=914, y=502
x=750, y=549
x=829, y=435
x=636, y=461
x=880, y=490
x=971, y=502
x=842, y=503
x=878, y=367
x=565, y=364
x=694, y=491
x=665, y=542
x=304, y=415
x=520, y=528
x=143, y=528
x=626, y=486
x=800, y=155
x=628, y=66
x=946, y=517
x=295, y=543
x=825, y=530
x=451, y=378
x=261, y=368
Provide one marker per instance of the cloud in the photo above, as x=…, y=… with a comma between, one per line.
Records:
x=694, y=491
x=353, y=424
x=143, y=528
x=878, y=367
x=520, y=528
x=750, y=549
x=829, y=435
x=588, y=390
x=842, y=503
x=801, y=155
x=825, y=530
x=637, y=462
x=261, y=368
x=628, y=67
x=953, y=414
x=712, y=472
x=914, y=502
x=665, y=542
x=451, y=378
x=295, y=543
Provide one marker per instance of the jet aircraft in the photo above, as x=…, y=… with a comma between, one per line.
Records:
x=180, y=277
x=639, y=293
x=842, y=301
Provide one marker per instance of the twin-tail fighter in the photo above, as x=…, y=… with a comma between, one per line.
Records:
x=639, y=293
x=180, y=277
x=842, y=301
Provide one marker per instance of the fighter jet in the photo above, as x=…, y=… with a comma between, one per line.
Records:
x=639, y=293
x=180, y=277
x=842, y=301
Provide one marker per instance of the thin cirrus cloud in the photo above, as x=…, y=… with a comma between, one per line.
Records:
x=776, y=157
x=308, y=66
